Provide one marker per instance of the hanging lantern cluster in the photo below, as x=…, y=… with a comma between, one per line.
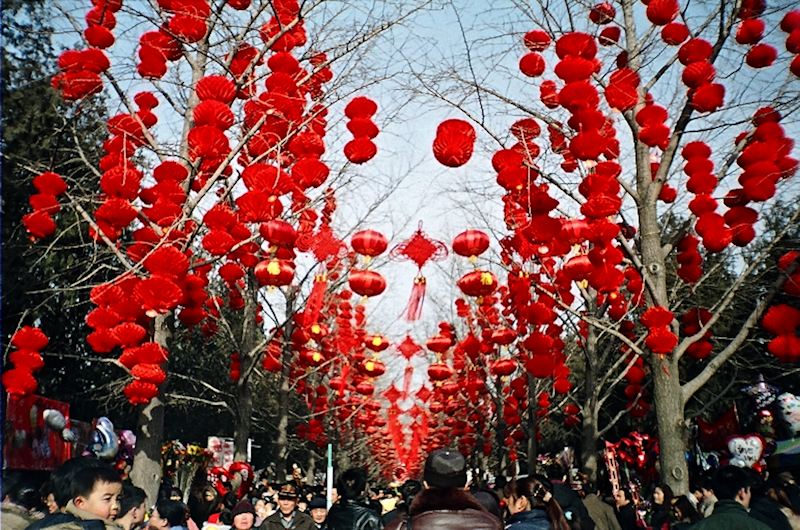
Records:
x=26, y=359
x=361, y=148
x=40, y=223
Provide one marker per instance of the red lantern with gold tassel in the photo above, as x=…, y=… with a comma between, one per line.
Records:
x=471, y=244
x=420, y=249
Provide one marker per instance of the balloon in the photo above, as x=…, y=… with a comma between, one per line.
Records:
x=244, y=481
x=762, y=392
x=54, y=419
x=219, y=479
x=790, y=411
x=712, y=435
x=104, y=443
x=746, y=450
x=68, y=435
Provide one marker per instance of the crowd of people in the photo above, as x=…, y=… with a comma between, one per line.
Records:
x=88, y=494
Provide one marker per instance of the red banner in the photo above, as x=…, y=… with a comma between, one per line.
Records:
x=30, y=443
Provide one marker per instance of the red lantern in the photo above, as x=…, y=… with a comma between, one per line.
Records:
x=471, y=243
x=503, y=367
x=478, y=283
x=376, y=343
x=373, y=367
x=454, y=142
x=366, y=282
x=439, y=343
x=439, y=372
x=274, y=272
x=369, y=243
x=279, y=233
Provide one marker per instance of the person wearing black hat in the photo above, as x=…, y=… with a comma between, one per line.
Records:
x=351, y=513
x=318, y=508
x=288, y=517
x=444, y=503
x=244, y=515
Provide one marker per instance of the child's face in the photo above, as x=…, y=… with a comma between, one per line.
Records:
x=103, y=501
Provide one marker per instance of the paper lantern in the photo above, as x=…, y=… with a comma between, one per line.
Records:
x=536, y=40
x=140, y=392
x=471, y=243
x=188, y=28
x=360, y=150
x=661, y=12
x=602, y=13
x=98, y=36
x=695, y=50
x=309, y=172
x=708, y=97
x=278, y=233
x=217, y=88
x=674, y=33
x=750, y=31
x=576, y=43
x=697, y=74
x=439, y=372
x=761, y=56
x=366, y=282
x=454, y=142
x=274, y=272
x=29, y=338
x=19, y=381
x=39, y=224
x=369, y=243
x=532, y=64
x=478, y=283
x=609, y=35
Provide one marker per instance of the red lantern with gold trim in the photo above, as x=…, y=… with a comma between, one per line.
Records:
x=471, y=243
x=478, y=283
x=366, y=282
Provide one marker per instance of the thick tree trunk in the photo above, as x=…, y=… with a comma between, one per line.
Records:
x=533, y=421
x=311, y=468
x=282, y=438
x=672, y=432
x=244, y=413
x=588, y=450
x=146, y=471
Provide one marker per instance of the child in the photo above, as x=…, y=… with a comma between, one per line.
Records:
x=131, y=507
x=95, y=500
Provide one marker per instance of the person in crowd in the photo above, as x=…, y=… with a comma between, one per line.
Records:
x=61, y=480
x=625, y=509
x=709, y=498
x=318, y=509
x=683, y=513
x=599, y=511
x=777, y=490
x=662, y=507
x=408, y=491
x=244, y=515
x=203, y=501
x=261, y=506
x=762, y=506
x=132, y=507
x=444, y=503
x=490, y=501
x=19, y=508
x=791, y=488
x=532, y=506
x=351, y=512
x=48, y=498
x=302, y=505
x=287, y=517
x=695, y=496
x=732, y=488
x=168, y=515
x=94, y=503
x=570, y=502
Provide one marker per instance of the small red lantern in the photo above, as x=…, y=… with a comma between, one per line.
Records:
x=369, y=243
x=439, y=372
x=274, y=272
x=478, y=283
x=376, y=343
x=366, y=282
x=503, y=367
x=373, y=367
x=471, y=243
x=279, y=233
x=439, y=343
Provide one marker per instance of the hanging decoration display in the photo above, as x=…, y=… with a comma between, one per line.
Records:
x=419, y=249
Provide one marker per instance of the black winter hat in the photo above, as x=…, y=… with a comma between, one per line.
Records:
x=317, y=502
x=445, y=469
x=243, y=507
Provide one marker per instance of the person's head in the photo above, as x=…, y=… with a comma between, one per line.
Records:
x=622, y=497
x=287, y=499
x=555, y=472
x=210, y=494
x=706, y=487
x=244, y=515
x=535, y=492
x=490, y=501
x=175, y=494
x=97, y=490
x=732, y=483
x=131, y=506
x=351, y=483
x=662, y=495
x=24, y=495
x=63, y=477
x=318, y=509
x=683, y=511
x=302, y=505
x=445, y=469
x=260, y=507
x=166, y=514
x=48, y=499
x=409, y=490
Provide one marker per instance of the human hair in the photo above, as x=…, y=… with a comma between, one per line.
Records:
x=84, y=481
x=555, y=471
x=131, y=498
x=728, y=480
x=777, y=488
x=25, y=495
x=351, y=483
x=626, y=493
x=62, y=478
x=490, y=501
x=174, y=512
x=539, y=492
x=688, y=514
x=668, y=495
x=409, y=490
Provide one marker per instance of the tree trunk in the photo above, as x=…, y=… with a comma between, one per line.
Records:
x=672, y=432
x=590, y=410
x=247, y=357
x=311, y=468
x=146, y=470
x=533, y=421
x=500, y=431
x=282, y=438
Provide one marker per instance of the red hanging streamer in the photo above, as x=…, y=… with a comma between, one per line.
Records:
x=420, y=249
x=315, y=299
x=413, y=310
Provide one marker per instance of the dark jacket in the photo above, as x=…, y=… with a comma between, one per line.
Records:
x=348, y=514
x=729, y=515
x=601, y=513
x=660, y=517
x=626, y=516
x=535, y=519
x=446, y=509
x=572, y=506
x=769, y=512
x=301, y=521
x=76, y=519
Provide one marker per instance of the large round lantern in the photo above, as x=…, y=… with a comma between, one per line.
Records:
x=439, y=372
x=439, y=343
x=471, y=243
x=369, y=243
x=478, y=283
x=376, y=343
x=366, y=282
x=274, y=272
x=503, y=367
x=373, y=367
x=454, y=142
x=278, y=233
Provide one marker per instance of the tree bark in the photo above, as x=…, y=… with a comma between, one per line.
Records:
x=533, y=421
x=282, y=439
x=146, y=470
x=244, y=412
x=590, y=409
x=672, y=432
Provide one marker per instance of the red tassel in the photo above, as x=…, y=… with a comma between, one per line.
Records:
x=409, y=373
x=414, y=308
x=315, y=298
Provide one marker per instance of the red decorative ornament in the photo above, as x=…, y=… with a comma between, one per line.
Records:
x=478, y=283
x=454, y=142
x=366, y=282
x=420, y=249
x=471, y=243
x=370, y=243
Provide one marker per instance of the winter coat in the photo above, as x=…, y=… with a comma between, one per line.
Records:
x=601, y=513
x=446, y=509
x=729, y=515
x=15, y=517
x=626, y=516
x=572, y=506
x=769, y=512
x=300, y=521
x=75, y=519
x=348, y=514
x=535, y=519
